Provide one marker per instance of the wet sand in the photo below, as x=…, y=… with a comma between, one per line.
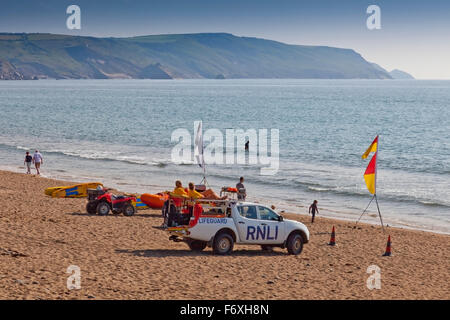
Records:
x=126, y=258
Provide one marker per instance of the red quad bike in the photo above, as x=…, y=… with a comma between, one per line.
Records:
x=101, y=202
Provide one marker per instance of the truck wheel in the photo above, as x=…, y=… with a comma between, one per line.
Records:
x=103, y=208
x=91, y=207
x=223, y=243
x=128, y=210
x=197, y=245
x=295, y=244
x=267, y=248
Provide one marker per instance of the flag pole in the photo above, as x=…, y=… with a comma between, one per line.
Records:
x=200, y=150
x=365, y=210
x=376, y=164
x=376, y=174
x=379, y=213
x=204, y=172
x=204, y=165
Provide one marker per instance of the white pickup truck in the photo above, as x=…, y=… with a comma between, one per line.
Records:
x=222, y=225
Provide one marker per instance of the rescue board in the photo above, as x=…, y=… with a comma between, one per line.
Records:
x=75, y=191
x=49, y=191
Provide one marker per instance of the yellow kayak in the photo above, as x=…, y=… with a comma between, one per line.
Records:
x=75, y=191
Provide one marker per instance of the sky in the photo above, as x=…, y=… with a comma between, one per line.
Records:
x=414, y=35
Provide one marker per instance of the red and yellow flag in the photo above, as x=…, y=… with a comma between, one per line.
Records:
x=369, y=175
x=372, y=148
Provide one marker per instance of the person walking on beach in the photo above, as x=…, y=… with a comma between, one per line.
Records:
x=241, y=193
x=313, y=209
x=27, y=162
x=37, y=160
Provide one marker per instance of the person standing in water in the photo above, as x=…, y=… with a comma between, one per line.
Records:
x=27, y=162
x=313, y=210
x=37, y=160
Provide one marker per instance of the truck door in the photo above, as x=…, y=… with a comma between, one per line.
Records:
x=247, y=223
x=271, y=229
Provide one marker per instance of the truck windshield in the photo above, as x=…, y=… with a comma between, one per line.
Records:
x=267, y=214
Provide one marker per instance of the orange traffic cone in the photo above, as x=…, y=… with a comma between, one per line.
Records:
x=333, y=238
x=388, y=248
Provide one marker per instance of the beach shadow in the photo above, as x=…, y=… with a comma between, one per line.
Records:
x=162, y=253
x=320, y=233
x=84, y=214
x=149, y=215
x=326, y=233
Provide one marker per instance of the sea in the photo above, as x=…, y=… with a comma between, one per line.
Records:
x=120, y=132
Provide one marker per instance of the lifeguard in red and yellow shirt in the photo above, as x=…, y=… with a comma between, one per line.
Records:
x=179, y=190
x=192, y=193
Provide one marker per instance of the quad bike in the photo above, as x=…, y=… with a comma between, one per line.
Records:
x=100, y=202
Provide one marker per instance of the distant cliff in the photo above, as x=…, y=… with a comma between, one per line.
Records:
x=399, y=74
x=208, y=55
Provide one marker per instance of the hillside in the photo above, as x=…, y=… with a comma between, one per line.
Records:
x=9, y=72
x=399, y=74
x=208, y=55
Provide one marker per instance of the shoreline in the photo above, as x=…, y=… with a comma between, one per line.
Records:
x=333, y=214
x=127, y=258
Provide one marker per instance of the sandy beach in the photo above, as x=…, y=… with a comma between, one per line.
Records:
x=126, y=258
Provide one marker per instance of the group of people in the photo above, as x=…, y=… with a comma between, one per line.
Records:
x=35, y=159
x=208, y=194
x=194, y=194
